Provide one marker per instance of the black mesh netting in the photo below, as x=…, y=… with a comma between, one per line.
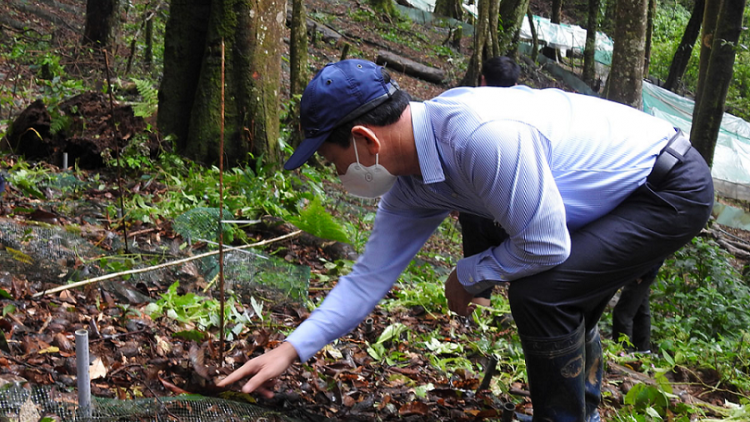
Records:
x=47, y=253
x=24, y=403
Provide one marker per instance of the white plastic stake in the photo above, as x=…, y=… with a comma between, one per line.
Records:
x=82, y=368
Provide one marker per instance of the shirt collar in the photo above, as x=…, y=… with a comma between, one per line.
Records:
x=424, y=137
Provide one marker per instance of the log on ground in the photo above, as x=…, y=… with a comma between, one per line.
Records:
x=410, y=67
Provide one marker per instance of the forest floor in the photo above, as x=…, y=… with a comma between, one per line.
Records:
x=136, y=356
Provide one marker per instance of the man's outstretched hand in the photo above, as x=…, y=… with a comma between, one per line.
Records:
x=458, y=297
x=262, y=370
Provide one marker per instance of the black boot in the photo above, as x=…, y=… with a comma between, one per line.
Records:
x=555, y=369
x=593, y=370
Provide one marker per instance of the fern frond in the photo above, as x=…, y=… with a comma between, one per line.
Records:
x=59, y=123
x=318, y=222
x=150, y=97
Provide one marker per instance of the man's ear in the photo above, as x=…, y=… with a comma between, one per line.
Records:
x=371, y=139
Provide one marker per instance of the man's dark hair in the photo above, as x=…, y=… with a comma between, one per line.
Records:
x=383, y=115
x=500, y=71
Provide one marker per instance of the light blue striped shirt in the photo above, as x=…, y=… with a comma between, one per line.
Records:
x=538, y=162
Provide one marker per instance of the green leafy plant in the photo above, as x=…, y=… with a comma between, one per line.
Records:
x=150, y=98
x=200, y=311
x=314, y=219
x=378, y=350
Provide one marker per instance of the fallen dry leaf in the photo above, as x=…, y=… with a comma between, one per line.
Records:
x=97, y=369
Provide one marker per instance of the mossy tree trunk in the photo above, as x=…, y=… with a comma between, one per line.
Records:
x=710, y=16
x=589, y=52
x=186, y=28
x=448, y=8
x=625, y=80
x=534, y=36
x=298, y=74
x=713, y=87
x=608, y=22
x=385, y=7
x=512, y=13
x=101, y=22
x=481, y=39
x=685, y=49
x=649, y=34
x=190, y=93
x=265, y=40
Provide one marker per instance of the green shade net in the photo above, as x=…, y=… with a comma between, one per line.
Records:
x=732, y=154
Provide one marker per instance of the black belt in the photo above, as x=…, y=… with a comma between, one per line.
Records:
x=672, y=154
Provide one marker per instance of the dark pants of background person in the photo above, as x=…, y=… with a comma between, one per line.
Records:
x=557, y=311
x=632, y=314
x=480, y=234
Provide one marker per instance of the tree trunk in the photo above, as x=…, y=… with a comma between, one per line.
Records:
x=384, y=6
x=709, y=111
x=589, y=64
x=298, y=49
x=266, y=42
x=298, y=76
x=189, y=98
x=556, y=11
x=512, y=14
x=492, y=48
x=626, y=77
x=685, y=49
x=186, y=29
x=649, y=34
x=608, y=23
x=534, y=37
x=554, y=53
x=101, y=22
x=481, y=34
x=710, y=17
x=448, y=8
x=148, y=53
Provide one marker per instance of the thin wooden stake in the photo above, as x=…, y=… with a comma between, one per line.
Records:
x=156, y=267
x=117, y=151
x=221, y=214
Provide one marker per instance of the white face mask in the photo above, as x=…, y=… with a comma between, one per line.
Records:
x=367, y=182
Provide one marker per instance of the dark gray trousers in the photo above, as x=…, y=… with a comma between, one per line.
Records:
x=652, y=223
x=632, y=314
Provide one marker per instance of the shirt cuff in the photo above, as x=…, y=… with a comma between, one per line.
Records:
x=468, y=278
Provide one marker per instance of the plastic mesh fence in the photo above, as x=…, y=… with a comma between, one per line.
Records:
x=202, y=224
x=246, y=272
x=44, y=253
x=263, y=277
x=25, y=403
x=39, y=251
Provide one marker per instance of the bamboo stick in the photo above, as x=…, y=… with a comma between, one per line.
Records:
x=156, y=267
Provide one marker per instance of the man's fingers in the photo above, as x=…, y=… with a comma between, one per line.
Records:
x=245, y=370
x=260, y=383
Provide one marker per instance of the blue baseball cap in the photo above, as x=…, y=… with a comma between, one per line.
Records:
x=338, y=94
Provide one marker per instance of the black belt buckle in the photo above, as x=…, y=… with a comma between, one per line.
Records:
x=672, y=154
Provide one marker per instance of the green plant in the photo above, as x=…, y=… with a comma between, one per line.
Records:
x=701, y=293
x=202, y=312
x=378, y=350
x=419, y=285
x=314, y=219
x=150, y=98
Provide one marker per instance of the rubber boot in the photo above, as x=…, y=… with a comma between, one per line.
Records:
x=593, y=370
x=555, y=369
